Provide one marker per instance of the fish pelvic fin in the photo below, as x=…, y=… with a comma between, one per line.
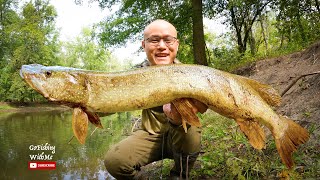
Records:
x=266, y=92
x=185, y=109
x=288, y=143
x=254, y=132
x=93, y=118
x=80, y=124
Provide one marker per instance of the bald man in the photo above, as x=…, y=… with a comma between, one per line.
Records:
x=161, y=134
x=160, y=52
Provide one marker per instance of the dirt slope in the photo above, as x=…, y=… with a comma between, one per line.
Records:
x=302, y=101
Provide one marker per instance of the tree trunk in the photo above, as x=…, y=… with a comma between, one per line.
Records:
x=252, y=43
x=317, y=5
x=301, y=30
x=199, y=52
x=237, y=26
x=264, y=35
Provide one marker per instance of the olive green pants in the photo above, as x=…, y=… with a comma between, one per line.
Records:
x=124, y=159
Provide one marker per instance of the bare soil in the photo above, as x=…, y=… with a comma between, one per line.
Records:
x=302, y=101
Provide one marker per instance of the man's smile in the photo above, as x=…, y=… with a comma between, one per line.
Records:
x=162, y=54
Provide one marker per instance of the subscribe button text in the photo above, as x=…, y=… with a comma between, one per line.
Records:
x=42, y=165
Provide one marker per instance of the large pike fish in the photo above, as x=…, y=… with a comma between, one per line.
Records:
x=244, y=100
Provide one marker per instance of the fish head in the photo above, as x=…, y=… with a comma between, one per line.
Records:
x=56, y=83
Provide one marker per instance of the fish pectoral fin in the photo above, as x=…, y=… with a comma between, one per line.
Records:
x=93, y=118
x=253, y=131
x=185, y=109
x=184, y=125
x=291, y=137
x=80, y=124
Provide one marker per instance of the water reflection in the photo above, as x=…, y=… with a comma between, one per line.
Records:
x=73, y=161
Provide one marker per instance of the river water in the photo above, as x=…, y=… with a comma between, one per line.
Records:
x=21, y=133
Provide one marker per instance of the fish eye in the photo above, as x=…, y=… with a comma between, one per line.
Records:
x=48, y=73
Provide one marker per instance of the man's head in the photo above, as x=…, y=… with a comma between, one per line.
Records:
x=160, y=42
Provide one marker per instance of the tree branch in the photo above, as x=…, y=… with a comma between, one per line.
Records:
x=296, y=80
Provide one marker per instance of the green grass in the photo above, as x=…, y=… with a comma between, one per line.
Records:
x=226, y=154
x=5, y=107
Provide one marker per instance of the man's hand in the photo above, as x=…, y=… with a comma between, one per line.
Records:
x=172, y=113
x=175, y=118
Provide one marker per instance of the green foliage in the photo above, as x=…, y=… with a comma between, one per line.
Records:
x=224, y=53
x=298, y=21
x=128, y=23
x=243, y=17
x=36, y=35
x=8, y=21
x=26, y=37
x=259, y=29
x=240, y=16
x=84, y=52
x=20, y=92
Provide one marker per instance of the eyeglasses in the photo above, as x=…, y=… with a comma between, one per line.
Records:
x=155, y=40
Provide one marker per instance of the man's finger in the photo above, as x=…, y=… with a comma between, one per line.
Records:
x=172, y=113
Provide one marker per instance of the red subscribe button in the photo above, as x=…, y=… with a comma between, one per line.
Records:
x=44, y=165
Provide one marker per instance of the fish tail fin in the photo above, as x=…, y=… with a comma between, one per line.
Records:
x=253, y=131
x=267, y=93
x=288, y=143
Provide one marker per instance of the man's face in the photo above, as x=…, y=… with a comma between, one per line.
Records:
x=160, y=43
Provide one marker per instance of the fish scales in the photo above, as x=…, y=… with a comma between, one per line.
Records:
x=244, y=100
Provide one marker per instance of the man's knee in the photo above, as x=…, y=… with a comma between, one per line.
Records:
x=117, y=164
x=111, y=162
x=192, y=143
x=186, y=143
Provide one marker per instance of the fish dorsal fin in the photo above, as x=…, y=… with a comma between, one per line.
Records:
x=80, y=124
x=253, y=131
x=93, y=118
x=266, y=92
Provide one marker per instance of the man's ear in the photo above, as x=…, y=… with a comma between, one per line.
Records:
x=143, y=44
x=178, y=45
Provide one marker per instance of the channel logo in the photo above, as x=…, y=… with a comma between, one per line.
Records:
x=32, y=165
x=42, y=165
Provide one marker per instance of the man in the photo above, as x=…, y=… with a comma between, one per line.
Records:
x=161, y=135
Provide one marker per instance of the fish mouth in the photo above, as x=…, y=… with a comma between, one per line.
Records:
x=29, y=73
x=37, y=86
x=21, y=73
x=30, y=69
